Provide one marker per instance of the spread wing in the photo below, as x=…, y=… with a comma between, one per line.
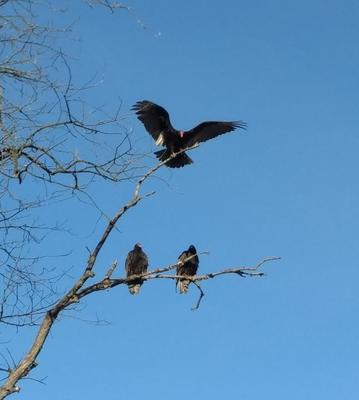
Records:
x=154, y=117
x=209, y=130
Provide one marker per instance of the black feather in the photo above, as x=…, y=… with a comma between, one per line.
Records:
x=188, y=267
x=136, y=264
x=157, y=122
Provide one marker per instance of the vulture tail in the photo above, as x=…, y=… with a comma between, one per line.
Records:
x=134, y=288
x=177, y=162
x=182, y=285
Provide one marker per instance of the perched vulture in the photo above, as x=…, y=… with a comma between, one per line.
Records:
x=157, y=122
x=188, y=268
x=136, y=263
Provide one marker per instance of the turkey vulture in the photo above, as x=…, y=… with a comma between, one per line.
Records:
x=157, y=122
x=188, y=268
x=136, y=263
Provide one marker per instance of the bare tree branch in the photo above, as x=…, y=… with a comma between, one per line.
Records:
x=78, y=291
x=51, y=139
x=54, y=141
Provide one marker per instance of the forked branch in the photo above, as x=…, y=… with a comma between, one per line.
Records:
x=79, y=290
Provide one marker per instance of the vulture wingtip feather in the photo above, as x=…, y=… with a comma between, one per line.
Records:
x=139, y=105
x=240, y=125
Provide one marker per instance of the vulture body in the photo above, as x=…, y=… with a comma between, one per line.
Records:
x=136, y=263
x=157, y=123
x=188, y=268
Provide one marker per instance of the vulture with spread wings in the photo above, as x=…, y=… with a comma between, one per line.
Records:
x=136, y=263
x=157, y=122
x=188, y=267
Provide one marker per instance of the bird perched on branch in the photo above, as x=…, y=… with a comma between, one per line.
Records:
x=157, y=122
x=188, y=267
x=136, y=263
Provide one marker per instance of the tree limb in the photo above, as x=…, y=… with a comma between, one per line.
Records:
x=78, y=291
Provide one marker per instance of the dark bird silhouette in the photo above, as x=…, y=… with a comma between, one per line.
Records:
x=188, y=268
x=136, y=263
x=157, y=122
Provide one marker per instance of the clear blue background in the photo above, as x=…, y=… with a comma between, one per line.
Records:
x=287, y=187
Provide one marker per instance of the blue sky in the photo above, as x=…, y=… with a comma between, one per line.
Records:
x=287, y=187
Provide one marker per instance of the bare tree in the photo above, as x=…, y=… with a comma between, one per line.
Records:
x=55, y=146
x=52, y=145
x=81, y=288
